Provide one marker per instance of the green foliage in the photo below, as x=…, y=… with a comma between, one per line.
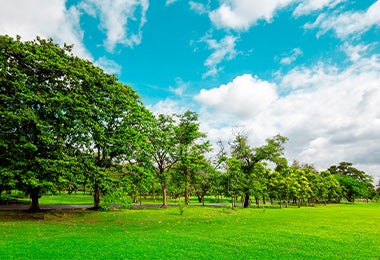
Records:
x=354, y=183
x=64, y=121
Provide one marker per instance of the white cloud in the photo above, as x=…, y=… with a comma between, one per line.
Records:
x=291, y=57
x=47, y=19
x=108, y=66
x=309, y=6
x=116, y=18
x=198, y=7
x=351, y=23
x=167, y=107
x=169, y=2
x=329, y=115
x=245, y=96
x=241, y=14
x=222, y=50
x=181, y=86
x=354, y=53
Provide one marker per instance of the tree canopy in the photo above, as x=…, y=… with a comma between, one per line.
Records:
x=61, y=116
x=66, y=124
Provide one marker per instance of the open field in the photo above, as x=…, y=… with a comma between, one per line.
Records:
x=345, y=231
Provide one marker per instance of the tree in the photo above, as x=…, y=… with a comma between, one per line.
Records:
x=202, y=175
x=162, y=141
x=118, y=127
x=38, y=108
x=354, y=183
x=59, y=113
x=189, y=146
x=233, y=180
x=249, y=157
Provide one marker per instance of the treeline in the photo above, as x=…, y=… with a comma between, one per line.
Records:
x=67, y=125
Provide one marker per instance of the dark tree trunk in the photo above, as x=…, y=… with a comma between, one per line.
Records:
x=96, y=197
x=246, y=201
x=34, y=194
x=200, y=198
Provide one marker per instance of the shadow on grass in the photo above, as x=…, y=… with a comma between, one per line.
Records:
x=42, y=215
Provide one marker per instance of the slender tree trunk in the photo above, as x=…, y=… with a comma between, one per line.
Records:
x=34, y=194
x=187, y=192
x=246, y=201
x=164, y=196
x=257, y=202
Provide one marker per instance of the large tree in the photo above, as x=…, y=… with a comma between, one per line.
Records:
x=60, y=115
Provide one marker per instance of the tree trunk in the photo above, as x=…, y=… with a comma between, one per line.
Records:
x=96, y=197
x=257, y=202
x=187, y=192
x=246, y=201
x=34, y=194
x=164, y=196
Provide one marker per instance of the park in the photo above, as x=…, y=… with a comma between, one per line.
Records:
x=71, y=134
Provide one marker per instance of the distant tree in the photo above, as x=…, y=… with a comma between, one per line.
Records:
x=353, y=182
x=249, y=157
x=202, y=175
x=234, y=180
x=163, y=149
x=190, y=147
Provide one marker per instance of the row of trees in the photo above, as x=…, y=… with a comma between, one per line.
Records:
x=66, y=124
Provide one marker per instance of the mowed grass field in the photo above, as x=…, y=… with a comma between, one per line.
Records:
x=344, y=231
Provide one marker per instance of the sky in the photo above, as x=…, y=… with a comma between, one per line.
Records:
x=308, y=70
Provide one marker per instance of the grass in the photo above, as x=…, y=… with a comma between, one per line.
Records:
x=344, y=231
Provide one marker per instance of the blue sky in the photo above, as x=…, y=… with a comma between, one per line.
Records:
x=309, y=70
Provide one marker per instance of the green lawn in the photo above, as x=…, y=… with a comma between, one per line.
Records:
x=345, y=231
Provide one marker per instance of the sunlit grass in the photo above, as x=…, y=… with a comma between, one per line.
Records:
x=348, y=231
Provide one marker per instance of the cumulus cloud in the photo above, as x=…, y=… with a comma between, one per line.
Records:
x=330, y=114
x=309, y=6
x=241, y=14
x=350, y=23
x=222, y=50
x=47, y=19
x=117, y=18
x=245, y=96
